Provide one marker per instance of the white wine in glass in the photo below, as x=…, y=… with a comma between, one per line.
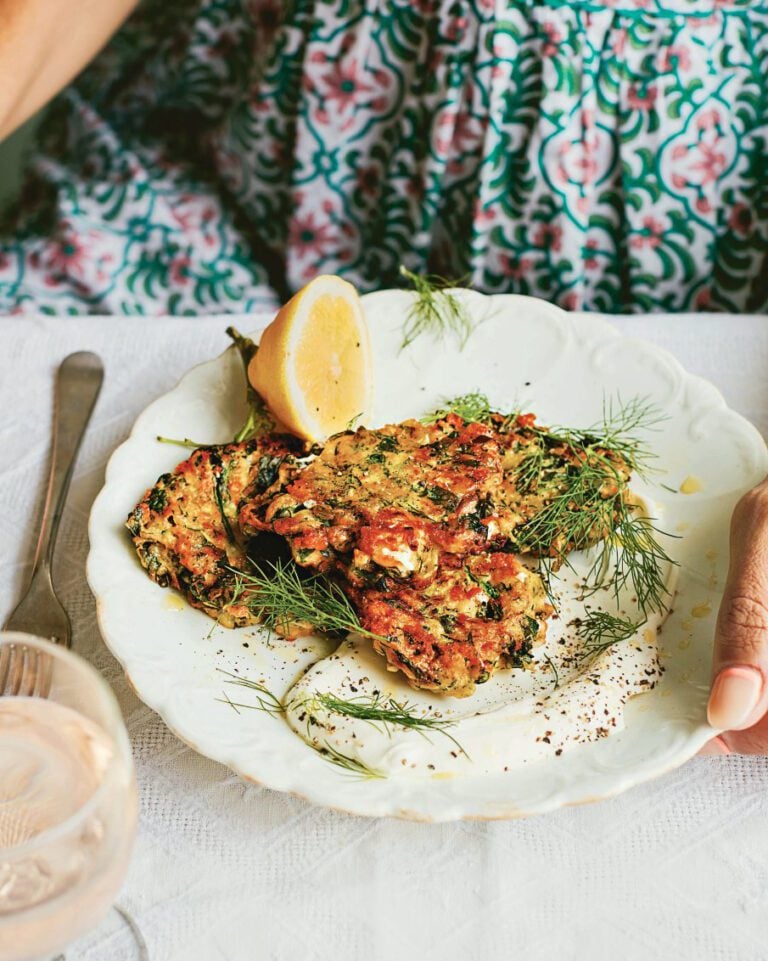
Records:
x=68, y=804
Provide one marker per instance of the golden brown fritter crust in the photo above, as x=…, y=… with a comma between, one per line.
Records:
x=389, y=501
x=479, y=613
x=186, y=529
x=418, y=524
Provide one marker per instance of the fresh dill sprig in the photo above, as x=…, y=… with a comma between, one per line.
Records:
x=266, y=701
x=280, y=596
x=615, y=431
x=258, y=421
x=628, y=550
x=587, y=506
x=600, y=630
x=473, y=406
x=435, y=309
x=637, y=560
x=347, y=763
x=380, y=710
x=269, y=703
x=186, y=442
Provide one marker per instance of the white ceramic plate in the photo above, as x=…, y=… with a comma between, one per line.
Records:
x=524, y=353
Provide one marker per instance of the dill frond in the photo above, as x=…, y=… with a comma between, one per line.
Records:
x=636, y=558
x=349, y=764
x=600, y=630
x=435, y=309
x=588, y=505
x=384, y=711
x=266, y=701
x=280, y=596
x=258, y=421
x=473, y=406
x=269, y=703
x=615, y=432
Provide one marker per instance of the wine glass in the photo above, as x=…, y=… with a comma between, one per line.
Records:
x=68, y=803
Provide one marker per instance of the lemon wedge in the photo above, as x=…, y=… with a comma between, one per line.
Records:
x=313, y=366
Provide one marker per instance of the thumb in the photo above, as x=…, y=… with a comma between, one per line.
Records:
x=739, y=695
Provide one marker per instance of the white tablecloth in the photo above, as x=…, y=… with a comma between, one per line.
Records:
x=675, y=869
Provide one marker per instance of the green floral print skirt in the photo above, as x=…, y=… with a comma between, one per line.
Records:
x=220, y=153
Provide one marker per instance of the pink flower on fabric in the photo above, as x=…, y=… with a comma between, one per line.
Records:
x=455, y=130
x=191, y=214
x=549, y=235
x=554, y=38
x=571, y=301
x=712, y=163
x=696, y=23
x=67, y=256
x=586, y=165
x=653, y=235
x=179, y=270
x=703, y=298
x=740, y=219
x=482, y=213
x=344, y=84
x=676, y=57
x=619, y=42
x=517, y=269
x=644, y=101
x=456, y=29
x=309, y=237
x=708, y=119
x=4, y=260
x=590, y=262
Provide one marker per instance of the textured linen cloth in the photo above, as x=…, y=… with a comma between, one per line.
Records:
x=228, y=871
x=603, y=155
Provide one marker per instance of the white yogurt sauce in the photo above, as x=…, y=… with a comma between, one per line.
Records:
x=519, y=716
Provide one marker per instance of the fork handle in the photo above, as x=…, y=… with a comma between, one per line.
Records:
x=77, y=386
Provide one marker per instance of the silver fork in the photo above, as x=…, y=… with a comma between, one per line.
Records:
x=40, y=611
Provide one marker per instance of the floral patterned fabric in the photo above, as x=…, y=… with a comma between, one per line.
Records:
x=220, y=153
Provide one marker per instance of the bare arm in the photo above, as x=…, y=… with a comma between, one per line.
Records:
x=44, y=44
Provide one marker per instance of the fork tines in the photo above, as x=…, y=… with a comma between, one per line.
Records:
x=24, y=671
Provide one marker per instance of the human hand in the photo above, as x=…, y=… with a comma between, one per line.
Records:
x=738, y=701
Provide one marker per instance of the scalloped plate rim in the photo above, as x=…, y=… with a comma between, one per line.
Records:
x=622, y=780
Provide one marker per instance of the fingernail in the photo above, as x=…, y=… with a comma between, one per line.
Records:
x=734, y=698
